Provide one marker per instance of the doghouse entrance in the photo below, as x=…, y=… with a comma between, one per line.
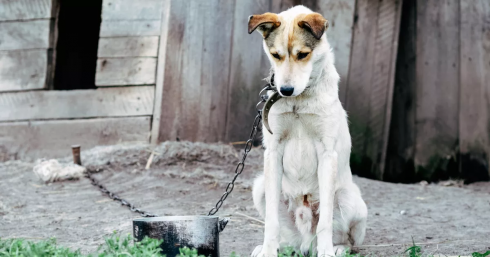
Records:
x=78, y=38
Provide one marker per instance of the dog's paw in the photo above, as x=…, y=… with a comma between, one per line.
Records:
x=325, y=253
x=256, y=251
x=340, y=249
x=261, y=251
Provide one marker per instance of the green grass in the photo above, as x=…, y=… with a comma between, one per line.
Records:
x=123, y=246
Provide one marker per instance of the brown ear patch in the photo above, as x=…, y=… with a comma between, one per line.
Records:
x=315, y=23
x=268, y=21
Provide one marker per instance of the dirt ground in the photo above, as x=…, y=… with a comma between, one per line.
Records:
x=187, y=179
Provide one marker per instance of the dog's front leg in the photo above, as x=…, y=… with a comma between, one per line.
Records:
x=273, y=170
x=327, y=172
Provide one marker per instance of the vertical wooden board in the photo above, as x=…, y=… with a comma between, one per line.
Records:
x=277, y=6
x=130, y=28
x=132, y=10
x=196, y=72
x=125, y=71
x=361, y=75
x=247, y=72
x=400, y=150
x=170, y=121
x=128, y=47
x=215, y=70
x=191, y=70
x=382, y=83
x=23, y=70
x=340, y=14
x=474, y=111
x=51, y=139
x=437, y=83
x=26, y=9
x=19, y=35
x=160, y=76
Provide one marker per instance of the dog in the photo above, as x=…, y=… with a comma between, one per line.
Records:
x=306, y=194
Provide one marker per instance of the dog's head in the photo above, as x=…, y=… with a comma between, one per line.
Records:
x=293, y=42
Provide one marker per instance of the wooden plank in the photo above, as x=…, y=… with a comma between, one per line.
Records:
x=474, y=111
x=247, y=71
x=130, y=28
x=171, y=100
x=437, y=84
x=400, y=152
x=26, y=9
x=128, y=47
x=51, y=139
x=359, y=82
x=102, y=102
x=340, y=14
x=132, y=10
x=23, y=70
x=25, y=34
x=382, y=83
x=160, y=78
x=125, y=71
x=184, y=90
x=215, y=71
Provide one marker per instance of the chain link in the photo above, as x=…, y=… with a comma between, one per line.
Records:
x=248, y=147
x=116, y=198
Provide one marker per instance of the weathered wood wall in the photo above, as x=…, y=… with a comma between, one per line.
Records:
x=26, y=45
x=44, y=123
x=440, y=125
x=370, y=83
x=213, y=76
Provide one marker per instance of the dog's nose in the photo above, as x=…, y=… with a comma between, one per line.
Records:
x=287, y=90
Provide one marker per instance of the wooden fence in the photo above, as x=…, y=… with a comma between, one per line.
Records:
x=414, y=79
x=441, y=122
x=214, y=70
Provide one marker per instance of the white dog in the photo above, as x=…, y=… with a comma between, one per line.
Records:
x=306, y=195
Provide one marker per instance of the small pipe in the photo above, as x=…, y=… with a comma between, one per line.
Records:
x=75, y=149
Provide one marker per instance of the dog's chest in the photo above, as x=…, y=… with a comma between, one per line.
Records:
x=299, y=134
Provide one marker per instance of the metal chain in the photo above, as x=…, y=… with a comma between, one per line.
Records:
x=115, y=197
x=229, y=188
x=248, y=146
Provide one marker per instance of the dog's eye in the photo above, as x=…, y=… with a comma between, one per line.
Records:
x=302, y=55
x=276, y=56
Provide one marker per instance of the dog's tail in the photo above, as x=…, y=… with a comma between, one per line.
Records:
x=304, y=219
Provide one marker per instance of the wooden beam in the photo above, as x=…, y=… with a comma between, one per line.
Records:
x=160, y=78
x=340, y=14
x=196, y=72
x=125, y=71
x=27, y=9
x=128, y=47
x=381, y=94
x=33, y=34
x=125, y=28
x=132, y=10
x=361, y=72
x=102, y=102
x=53, y=138
x=437, y=92
x=23, y=70
x=249, y=66
x=474, y=96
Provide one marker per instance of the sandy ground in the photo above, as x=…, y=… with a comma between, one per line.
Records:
x=187, y=179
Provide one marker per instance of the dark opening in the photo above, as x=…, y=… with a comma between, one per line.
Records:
x=78, y=38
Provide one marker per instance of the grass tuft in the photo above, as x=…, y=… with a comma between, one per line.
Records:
x=124, y=246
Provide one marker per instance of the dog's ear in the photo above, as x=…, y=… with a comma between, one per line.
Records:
x=265, y=23
x=314, y=23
